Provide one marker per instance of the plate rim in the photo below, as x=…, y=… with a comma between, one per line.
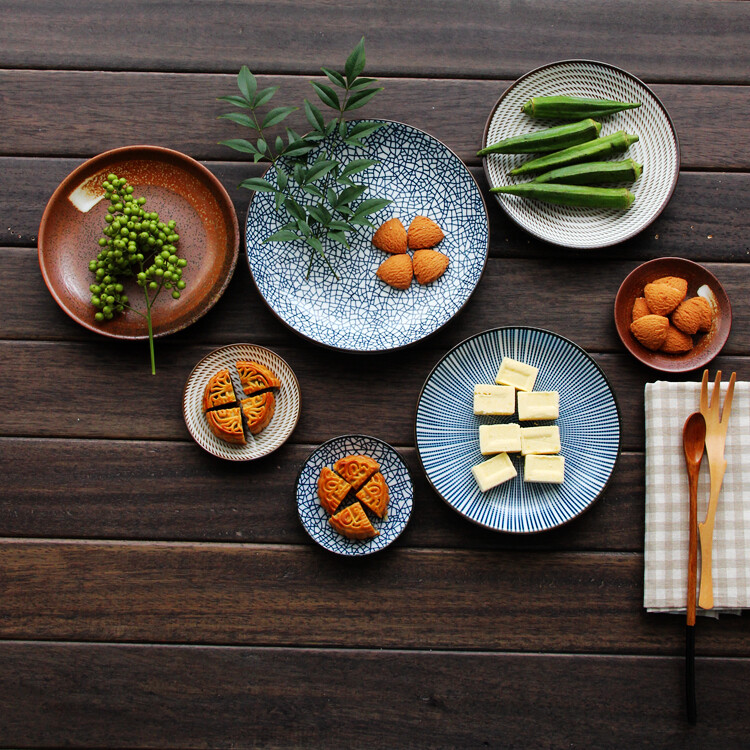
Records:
x=103, y=157
x=622, y=71
x=365, y=437
x=332, y=347
x=221, y=349
x=609, y=387
x=692, y=365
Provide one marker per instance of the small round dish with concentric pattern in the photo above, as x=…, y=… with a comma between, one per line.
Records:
x=657, y=150
x=400, y=488
x=447, y=430
x=285, y=417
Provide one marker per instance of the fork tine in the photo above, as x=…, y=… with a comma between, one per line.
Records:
x=704, y=394
x=728, y=399
x=715, y=396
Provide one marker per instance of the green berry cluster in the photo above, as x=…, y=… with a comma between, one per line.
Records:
x=133, y=237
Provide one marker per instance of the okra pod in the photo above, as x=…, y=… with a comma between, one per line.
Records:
x=596, y=149
x=571, y=195
x=573, y=107
x=593, y=173
x=550, y=139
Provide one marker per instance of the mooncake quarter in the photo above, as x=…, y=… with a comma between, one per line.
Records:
x=256, y=377
x=374, y=494
x=332, y=489
x=353, y=523
x=356, y=469
x=226, y=424
x=218, y=391
x=258, y=411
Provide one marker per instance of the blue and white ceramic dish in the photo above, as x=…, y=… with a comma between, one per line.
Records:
x=447, y=431
x=400, y=488
x=358, y=312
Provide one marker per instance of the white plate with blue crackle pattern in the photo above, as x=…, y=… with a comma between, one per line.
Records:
x=447, y=430
x=358, y=312
x=400, y=488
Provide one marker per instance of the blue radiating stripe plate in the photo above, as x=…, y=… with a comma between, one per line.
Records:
x=447, y=430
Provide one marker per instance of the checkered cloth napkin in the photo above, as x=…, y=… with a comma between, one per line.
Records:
x=666, y=543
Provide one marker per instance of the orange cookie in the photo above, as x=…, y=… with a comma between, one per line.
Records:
x=218, y=391
x=356, y=469
x=423, y=233
x=429, y=265
x=640, y=308
x=650, y=330
x=675, y=282
x=353, y=523
x=662, y=298
x=374, y=494
x=396, y=271
x=332, y=489
x=258, y=411
x=391, y=237
x=227, y=424
x=693, y=315
x=256, y=377
x=676, y=342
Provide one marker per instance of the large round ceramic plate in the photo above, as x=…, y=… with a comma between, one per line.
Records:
x=400, y=488
x=285, y=417
x=358, y=312
x=176, y=187
x=447, y=431
x=657, y=150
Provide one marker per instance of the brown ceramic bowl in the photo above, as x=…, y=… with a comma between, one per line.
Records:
x=175, y=186
x=705, y=345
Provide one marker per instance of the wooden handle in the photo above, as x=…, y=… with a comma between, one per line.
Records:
x=692, y=580
x=706, y=531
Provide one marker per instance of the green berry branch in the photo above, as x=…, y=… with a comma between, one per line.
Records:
x=319, y=198
x=134, y=243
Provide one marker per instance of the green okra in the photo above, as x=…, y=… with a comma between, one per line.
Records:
x=571, y=195
x=573, y=107
x=595, y=149
x=550, y=139
x=593, y=173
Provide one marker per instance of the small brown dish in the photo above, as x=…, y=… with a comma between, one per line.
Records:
x=175, y=186
x=701, y=282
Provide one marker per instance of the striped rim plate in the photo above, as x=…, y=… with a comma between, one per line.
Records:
x=447, y=431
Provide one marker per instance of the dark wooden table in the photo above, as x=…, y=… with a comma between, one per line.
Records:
x=152, y=595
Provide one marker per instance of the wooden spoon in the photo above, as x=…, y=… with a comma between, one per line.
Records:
x=693, y=443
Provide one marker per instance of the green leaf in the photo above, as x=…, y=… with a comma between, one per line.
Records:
x=361, y=221
x=262, y=146
x=339, y=237
x=315, y=244
x=320, y=214
x=238, y=101
x=371, y=206
x=327, y=95
x=265, y=95
x=297, y=150
x=314, y=116
x=361, y=98
x=240, y=119
x=304, y=227
x=275, y=116
x=335, y=77
x=360, y=83
x=240, y=144
x=332, y=197
x=341, y=226
x=312, y=190
x=345, y=211
x=351, y=194
x=292, y=136
x=279, y=144
x=282, y=178
x=283, y=235
x=342, y=129
x=319, y=169
x=363, y=129
x=298, y=173
x=278, y=200
x=330, y=127
x=294, y=209
x=357, y=165
x=246, y=83
x=259, y=185
x=355, y=63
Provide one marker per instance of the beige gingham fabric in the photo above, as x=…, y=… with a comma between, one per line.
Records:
x=666, y=543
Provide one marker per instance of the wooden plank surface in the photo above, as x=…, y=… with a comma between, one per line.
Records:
x=304, y=596
x=706, y=118
x=167, y=696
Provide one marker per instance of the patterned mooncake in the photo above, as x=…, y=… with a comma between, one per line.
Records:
x=256, y=377
x=227, y=424
x=353, y=523
x=356, y=469
x=332, y=489
x=374, y=494
x=219, y=391
x=258, y=411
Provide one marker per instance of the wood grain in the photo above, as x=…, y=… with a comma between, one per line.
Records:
x=125, y=489
x=269, y=595
x=166, y=696
x=90, y=102
x=431, y=39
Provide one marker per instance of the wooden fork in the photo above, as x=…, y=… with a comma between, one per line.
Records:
x=716, y=433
